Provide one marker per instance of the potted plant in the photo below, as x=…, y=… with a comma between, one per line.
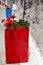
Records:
x=16, y=40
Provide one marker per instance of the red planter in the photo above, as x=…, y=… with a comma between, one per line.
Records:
x=16, y=45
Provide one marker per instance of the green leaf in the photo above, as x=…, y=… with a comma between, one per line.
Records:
x=21, y=22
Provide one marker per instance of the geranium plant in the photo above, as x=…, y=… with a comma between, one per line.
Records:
x=11, y=23
x=16, y=40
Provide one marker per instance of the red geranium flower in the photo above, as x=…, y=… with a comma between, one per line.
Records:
x=3, y=20
x=8, y=19
x=3, y=4
x=13, y=16
x=8, y=22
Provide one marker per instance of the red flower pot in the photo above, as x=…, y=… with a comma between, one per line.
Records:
x=16, y=45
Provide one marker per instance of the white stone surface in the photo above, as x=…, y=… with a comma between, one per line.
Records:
x=34, y=57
